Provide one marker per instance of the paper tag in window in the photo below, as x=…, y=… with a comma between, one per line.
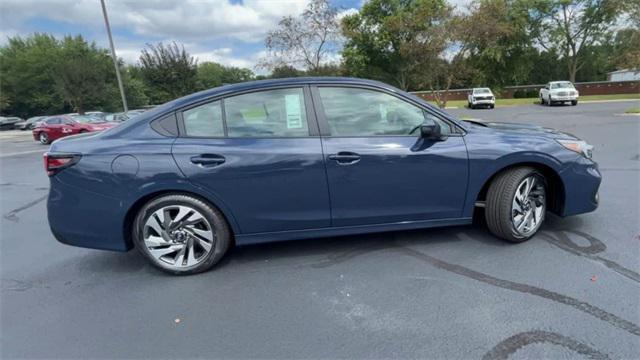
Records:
x=294, y=113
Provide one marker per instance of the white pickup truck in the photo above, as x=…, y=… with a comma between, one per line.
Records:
x=481, y=97
x=559, y=92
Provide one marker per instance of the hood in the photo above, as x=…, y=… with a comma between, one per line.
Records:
x=525, y=129
x=101, y=126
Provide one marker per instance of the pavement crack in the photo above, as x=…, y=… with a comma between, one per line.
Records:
x=13, y=214
x=526, y=289
x=508, y=346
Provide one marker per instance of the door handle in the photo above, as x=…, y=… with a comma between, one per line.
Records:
x=208, y=160
x=345, y=157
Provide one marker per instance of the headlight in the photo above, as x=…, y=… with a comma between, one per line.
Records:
x=579, y=146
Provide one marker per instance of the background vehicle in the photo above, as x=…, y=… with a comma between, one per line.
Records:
x=559, y=92
x=481, y=97
x=123, y=116
x=8, y=123
x=55, y=127
x=29, y=124
x=300, y=158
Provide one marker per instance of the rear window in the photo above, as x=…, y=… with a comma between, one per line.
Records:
x=271, y=113
x=204, y=120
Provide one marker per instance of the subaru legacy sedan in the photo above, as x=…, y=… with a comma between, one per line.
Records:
x=303, y=158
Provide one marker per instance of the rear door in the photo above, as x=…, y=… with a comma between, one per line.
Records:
x=378, y=171
x=258, y=153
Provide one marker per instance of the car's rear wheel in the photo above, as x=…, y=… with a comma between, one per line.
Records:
x=44, y=138
x=181, y=234
x=516, y=204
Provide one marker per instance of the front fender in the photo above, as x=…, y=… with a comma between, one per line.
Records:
x=481, y=171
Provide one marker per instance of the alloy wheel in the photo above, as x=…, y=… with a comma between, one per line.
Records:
x=44, y=139
x=528, y=206
x=178, y=236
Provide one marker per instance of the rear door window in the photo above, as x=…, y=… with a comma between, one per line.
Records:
x=270, y=113
x=204, y=120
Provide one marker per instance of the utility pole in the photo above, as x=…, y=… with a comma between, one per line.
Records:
x=113, y=55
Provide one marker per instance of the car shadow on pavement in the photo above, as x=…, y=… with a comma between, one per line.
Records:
x=319, y=252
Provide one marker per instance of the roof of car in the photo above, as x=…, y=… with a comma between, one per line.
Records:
x=258, y=84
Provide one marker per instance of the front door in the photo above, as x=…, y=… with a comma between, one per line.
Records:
x=261, y=157
x=378, y=170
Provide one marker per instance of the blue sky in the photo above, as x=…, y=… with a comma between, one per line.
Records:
x=227, y=31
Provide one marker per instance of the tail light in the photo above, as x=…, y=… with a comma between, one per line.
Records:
x=53, y=163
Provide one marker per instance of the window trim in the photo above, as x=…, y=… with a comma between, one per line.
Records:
x=323, y=123
x=312, y=121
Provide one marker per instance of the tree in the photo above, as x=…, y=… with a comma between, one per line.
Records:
x=304, y=41
x=27, y=79
x=626, y=49
x=575, y=25
x=212, y=74
x=392, y=40
x=168, y=71
x=82, y=74
x=501, y=46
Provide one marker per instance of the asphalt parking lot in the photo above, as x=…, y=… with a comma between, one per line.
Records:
x=571, y=292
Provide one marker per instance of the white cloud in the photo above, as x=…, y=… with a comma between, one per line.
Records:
x=180, y=19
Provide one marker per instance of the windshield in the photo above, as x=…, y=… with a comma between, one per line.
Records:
x=482, y=91
x=87, y=119
x=562, y=85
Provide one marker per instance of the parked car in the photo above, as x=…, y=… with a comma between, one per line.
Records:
x=8, y=123
x=96, y=114
x=28, y=124
x=55, y=127
x=481, y=97
x=559, y=92
x=123, y=116
x=301, y=158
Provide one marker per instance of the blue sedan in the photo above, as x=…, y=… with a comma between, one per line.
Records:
x=303, y=158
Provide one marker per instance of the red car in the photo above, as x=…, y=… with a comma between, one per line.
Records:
x=55, y=127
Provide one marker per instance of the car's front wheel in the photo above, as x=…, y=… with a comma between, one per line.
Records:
x=574, y=102
x=516, y=204
x=181, y=234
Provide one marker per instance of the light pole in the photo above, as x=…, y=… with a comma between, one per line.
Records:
x=113, y=55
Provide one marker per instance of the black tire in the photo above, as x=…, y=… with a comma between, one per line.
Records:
x=221, y=242
x=44, y=138
x=471, y=106
x=574, y=102
x=492, y=106
x=498, y=205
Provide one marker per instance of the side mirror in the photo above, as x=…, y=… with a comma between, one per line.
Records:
x=431, y=132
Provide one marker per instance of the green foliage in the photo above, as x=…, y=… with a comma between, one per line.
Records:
x=394, y=40
x=168, y=71
x=211, y=74
x=82, y=73
x=26, y=71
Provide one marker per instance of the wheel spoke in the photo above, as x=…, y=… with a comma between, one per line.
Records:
x=191, y=255
x=155, y=241
x=179, y=259
x=158, y=253
x=155, y=224
x=205, y=234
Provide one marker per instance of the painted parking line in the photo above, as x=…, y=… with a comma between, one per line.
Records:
x=22, y=153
